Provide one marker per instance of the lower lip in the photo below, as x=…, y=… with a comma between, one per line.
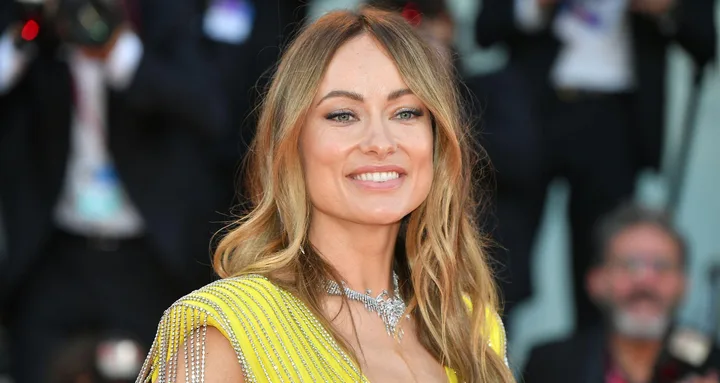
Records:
x=370, y=185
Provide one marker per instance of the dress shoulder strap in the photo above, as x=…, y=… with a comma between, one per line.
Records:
x=496, y=335
x=240, y=308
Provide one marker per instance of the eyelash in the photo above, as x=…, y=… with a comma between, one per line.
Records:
x=414, y=112
x=335, y=115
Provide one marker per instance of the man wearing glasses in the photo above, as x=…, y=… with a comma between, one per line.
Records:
x=638, y=281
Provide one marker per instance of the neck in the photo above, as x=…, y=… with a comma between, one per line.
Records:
x=636, y=357
x=362, y=254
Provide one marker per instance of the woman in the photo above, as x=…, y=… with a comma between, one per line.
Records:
x=359, y=260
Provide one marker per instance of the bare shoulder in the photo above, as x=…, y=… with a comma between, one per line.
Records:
x=221, y=364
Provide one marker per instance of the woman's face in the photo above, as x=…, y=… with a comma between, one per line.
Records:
x=367, y=142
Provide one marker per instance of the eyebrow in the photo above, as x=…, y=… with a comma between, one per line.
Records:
x=358, y=97
x=399, y=93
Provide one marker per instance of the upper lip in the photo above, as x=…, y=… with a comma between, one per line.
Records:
x=378, y=169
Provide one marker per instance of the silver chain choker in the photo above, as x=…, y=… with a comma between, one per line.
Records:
x=389, y=308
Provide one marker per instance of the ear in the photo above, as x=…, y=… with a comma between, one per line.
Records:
x=595, y=282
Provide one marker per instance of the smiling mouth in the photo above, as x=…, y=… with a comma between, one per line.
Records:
x=376, y=176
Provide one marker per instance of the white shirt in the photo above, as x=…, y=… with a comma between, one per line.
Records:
x=12, y=63
x=596, y=54
x=93, y=201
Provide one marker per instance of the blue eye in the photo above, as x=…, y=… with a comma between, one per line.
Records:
x=342, y=117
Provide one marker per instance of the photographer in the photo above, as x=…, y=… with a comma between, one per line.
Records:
x=110, y=118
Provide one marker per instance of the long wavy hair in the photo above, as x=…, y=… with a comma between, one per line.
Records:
x=440, y=255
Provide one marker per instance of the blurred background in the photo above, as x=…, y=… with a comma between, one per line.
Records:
x=121, y=140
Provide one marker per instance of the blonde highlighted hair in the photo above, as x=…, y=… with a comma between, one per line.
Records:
x=440, y=259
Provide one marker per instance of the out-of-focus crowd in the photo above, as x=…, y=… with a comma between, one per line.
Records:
x=123, y=125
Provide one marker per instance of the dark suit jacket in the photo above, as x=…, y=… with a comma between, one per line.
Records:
x=580, y=359
x=246, y=70
x=532, y=56
x=163, y=132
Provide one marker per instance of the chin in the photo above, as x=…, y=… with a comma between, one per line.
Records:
x=640, y=326
x=380, y=216
x=378, y=212
x=381, y=219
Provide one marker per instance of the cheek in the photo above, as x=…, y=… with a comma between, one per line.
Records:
x=619, y=287
x=421, y=154
x=671, y=288
x=426, y=175
x=322, y=160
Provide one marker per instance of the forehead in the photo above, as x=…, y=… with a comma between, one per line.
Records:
x=363, y=66
x=644, y=240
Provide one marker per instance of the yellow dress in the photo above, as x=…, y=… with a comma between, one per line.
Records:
x=275, y=336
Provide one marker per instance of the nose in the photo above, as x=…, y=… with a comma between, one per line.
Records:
x=646, y=274
x=378, y=140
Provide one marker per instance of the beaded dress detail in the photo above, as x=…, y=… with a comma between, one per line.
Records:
x=275, y=336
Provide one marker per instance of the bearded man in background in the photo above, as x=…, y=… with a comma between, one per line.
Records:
x=638, y=281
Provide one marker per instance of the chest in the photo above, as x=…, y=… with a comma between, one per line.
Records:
x=400, y=365
x=287, y=343
x=383, y=358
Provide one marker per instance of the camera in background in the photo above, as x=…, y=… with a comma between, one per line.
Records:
x=83, y=22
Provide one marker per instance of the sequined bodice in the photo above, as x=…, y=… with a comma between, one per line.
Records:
x=275, y=336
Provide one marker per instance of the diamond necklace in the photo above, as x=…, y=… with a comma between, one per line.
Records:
x=390, y=309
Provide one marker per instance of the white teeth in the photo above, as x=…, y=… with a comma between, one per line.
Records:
x=377, y=177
